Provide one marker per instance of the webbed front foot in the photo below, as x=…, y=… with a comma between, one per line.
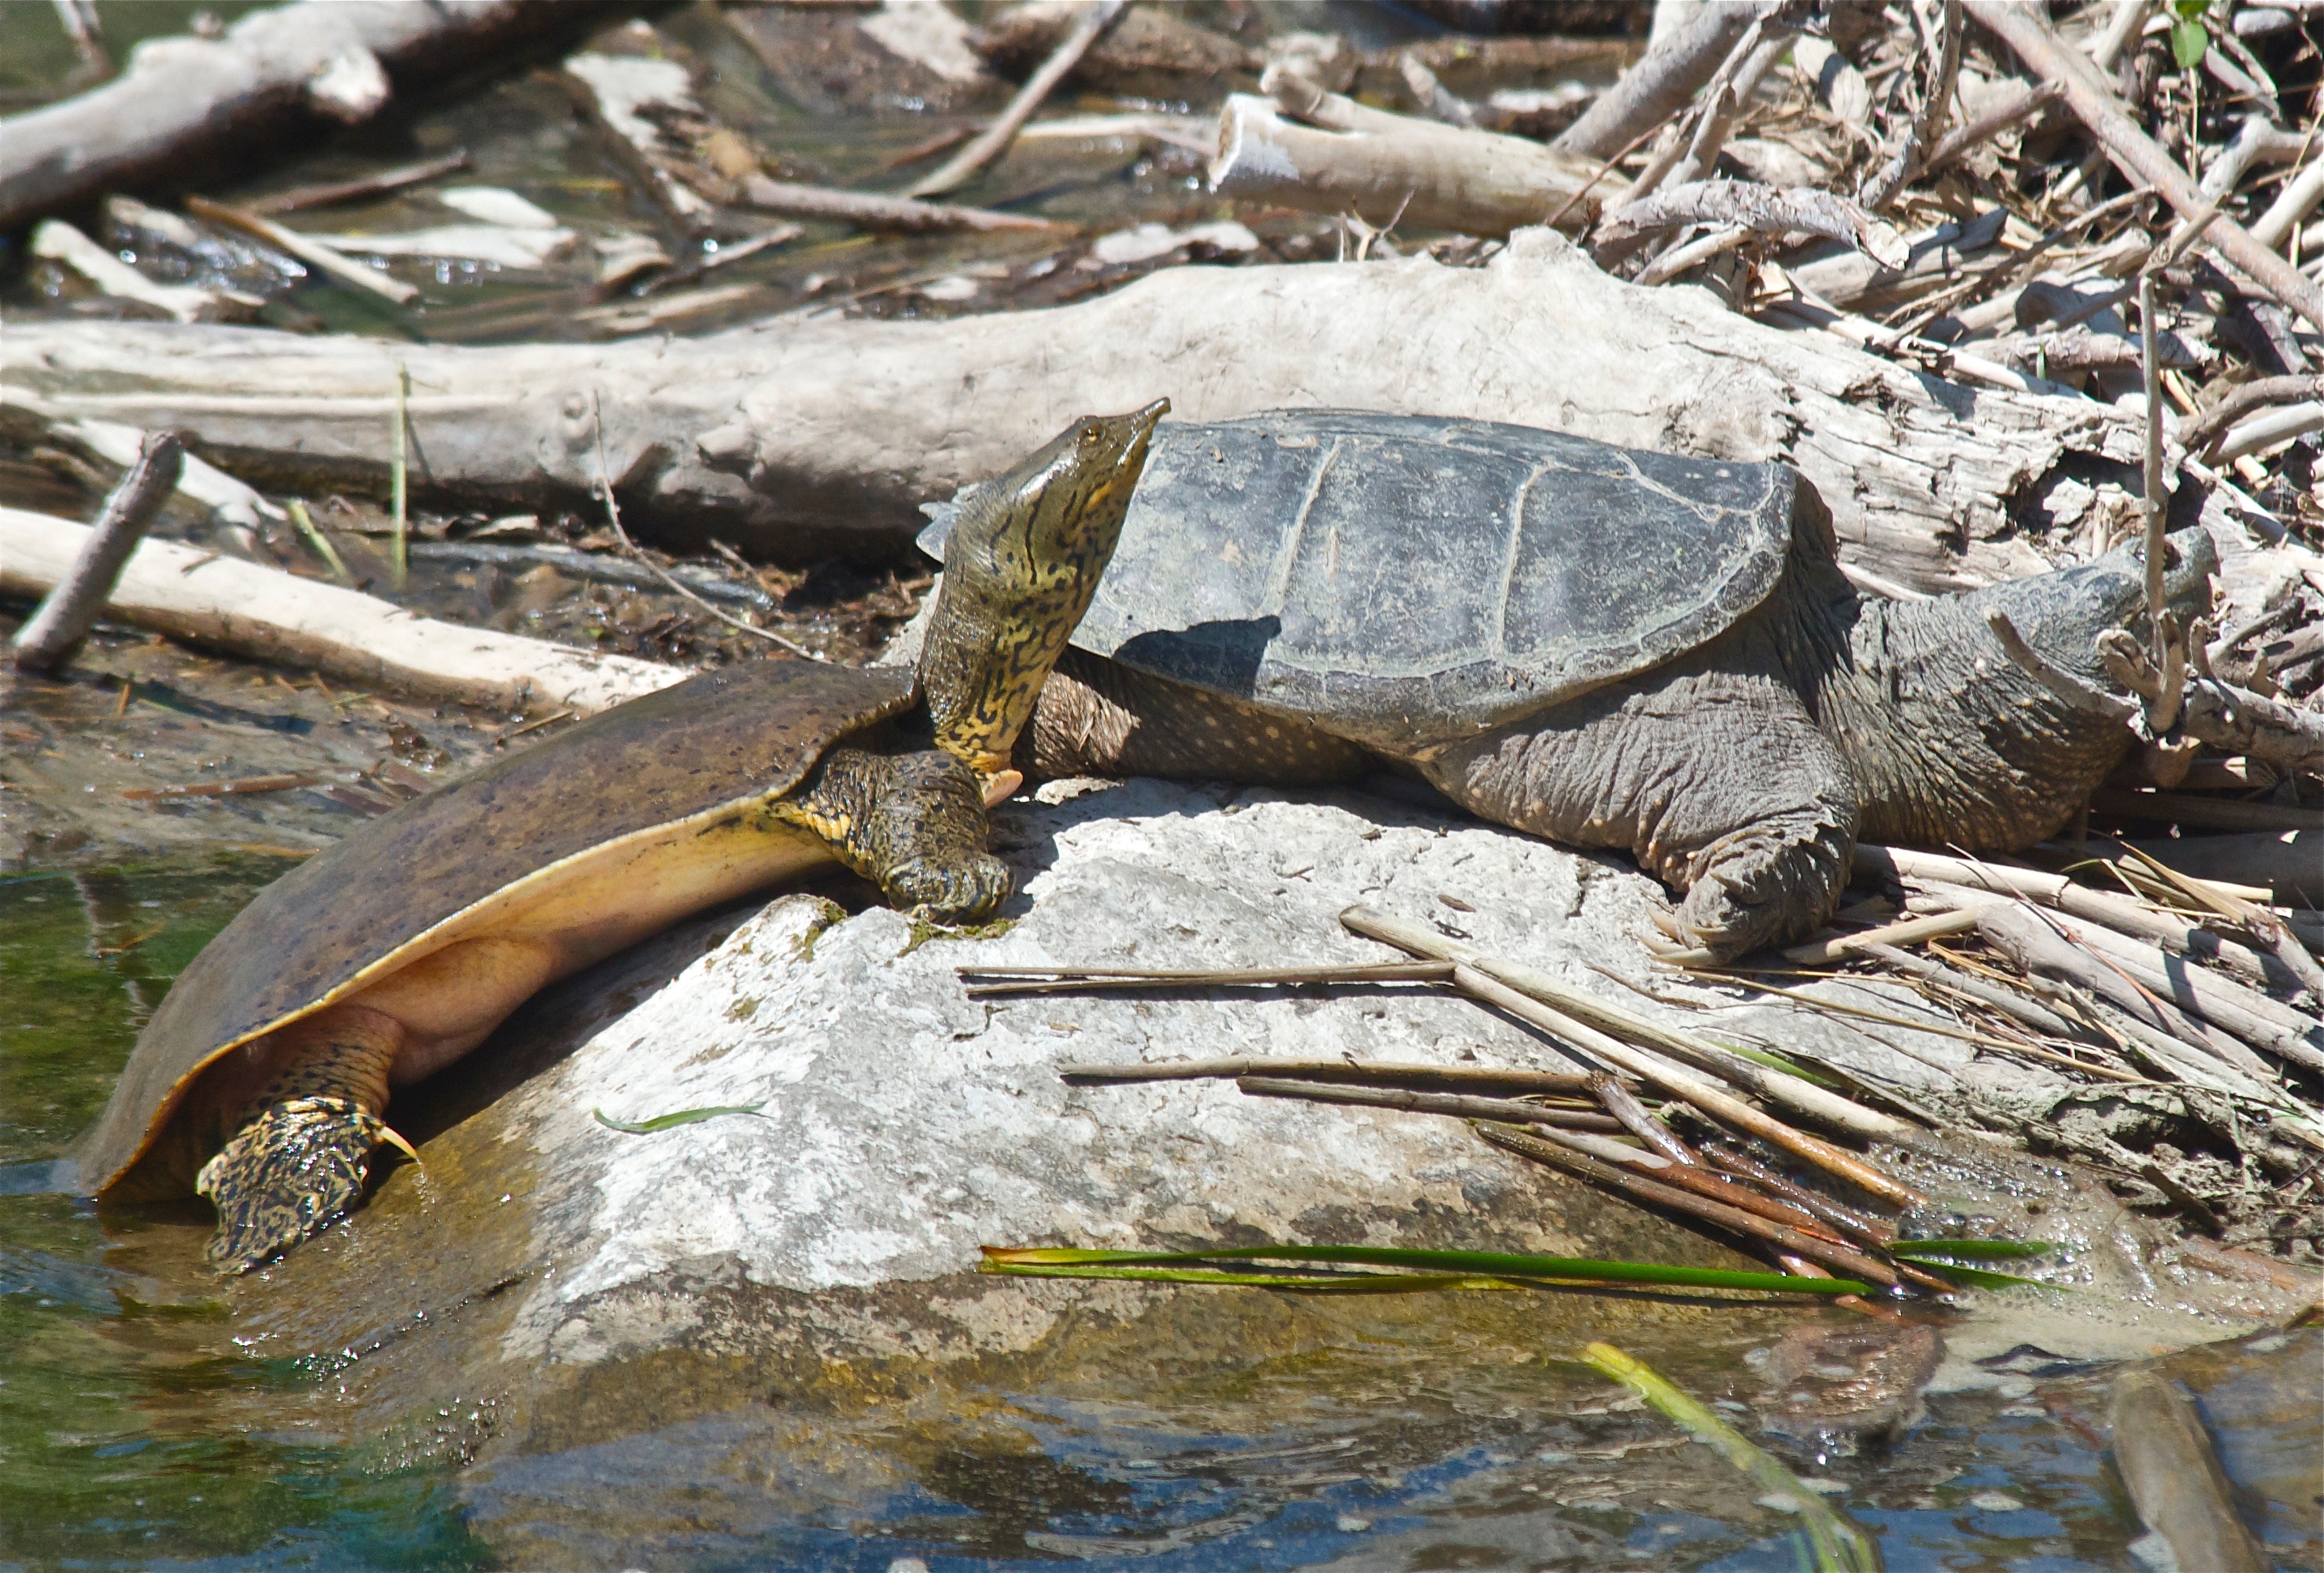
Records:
x=286, y=1175
x=1770, y=883
x=949, y=891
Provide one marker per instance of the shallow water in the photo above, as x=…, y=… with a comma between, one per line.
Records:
x=136, y=1432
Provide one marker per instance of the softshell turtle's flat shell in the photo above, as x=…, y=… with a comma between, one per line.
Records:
x=600, y=815
x=1418, y=580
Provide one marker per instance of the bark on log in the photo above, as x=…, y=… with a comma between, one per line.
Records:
x=188, y=99
x=810, y=436
x=261, y=614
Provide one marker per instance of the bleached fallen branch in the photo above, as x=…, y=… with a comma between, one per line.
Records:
x=1330, y=154
x=1760, y=209
x=808, y=437
x=187, y=96
x=2198, y=431
x=261, y=614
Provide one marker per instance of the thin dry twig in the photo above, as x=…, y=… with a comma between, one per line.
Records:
x=1470, y=1079
x=1909, y=158
x=614, y=516
x=871, y=210
x=299, y=198
x=2015, y=110
x=1074, y=980
x=993, y=141
x=1460, y=1105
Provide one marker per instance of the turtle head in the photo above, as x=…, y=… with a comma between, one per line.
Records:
x=1024, y=560
x=2061, y=615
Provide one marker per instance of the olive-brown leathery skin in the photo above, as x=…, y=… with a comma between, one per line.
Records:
x=1020, y=568
x=260, y=1080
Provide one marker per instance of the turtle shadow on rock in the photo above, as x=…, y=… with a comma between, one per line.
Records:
x=1223, y=656
x=1025, y=830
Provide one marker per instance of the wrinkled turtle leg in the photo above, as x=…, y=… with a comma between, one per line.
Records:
x=912, y=823
x=1715, y=778
x=302, y=1149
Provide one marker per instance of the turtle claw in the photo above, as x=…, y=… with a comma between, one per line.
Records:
x=286, y=1175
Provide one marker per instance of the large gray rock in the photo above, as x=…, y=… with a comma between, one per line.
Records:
x=757, y=1299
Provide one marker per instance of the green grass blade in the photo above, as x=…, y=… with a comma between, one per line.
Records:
x=1474, y=1263
x=1838, y=1545
x=670, y=1121
x=1979, y=1277
x=1774, y=1062
x=1335, y=1284
x=1989, y=1249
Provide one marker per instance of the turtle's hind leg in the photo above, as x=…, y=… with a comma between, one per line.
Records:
x=303, y=1150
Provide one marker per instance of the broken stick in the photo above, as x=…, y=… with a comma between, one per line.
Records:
x=1328, y=153
x=262, y=614
x=993, y=141
x=66, y=615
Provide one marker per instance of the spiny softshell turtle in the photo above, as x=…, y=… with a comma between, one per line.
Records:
x=1605, y=647
x=262, y=1079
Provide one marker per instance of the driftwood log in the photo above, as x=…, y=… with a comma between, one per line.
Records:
x=1328, y=153
x=190, y=100
x=261, y=614
x=800, y=437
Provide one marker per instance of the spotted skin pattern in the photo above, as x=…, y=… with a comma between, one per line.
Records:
x=302, y=1144
x=911, y=822
x=1023, y=563
x=1098, y=717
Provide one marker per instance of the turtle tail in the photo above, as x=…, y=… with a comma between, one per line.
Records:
x=302, y=1152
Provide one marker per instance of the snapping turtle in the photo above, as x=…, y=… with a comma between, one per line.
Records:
x=261, y=1081
x=1605, y=647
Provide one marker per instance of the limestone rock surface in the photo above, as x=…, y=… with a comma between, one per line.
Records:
x=544, y=1283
